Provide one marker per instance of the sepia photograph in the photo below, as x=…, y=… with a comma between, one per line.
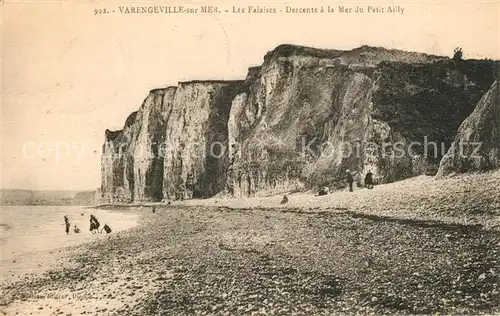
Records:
x=214, y=157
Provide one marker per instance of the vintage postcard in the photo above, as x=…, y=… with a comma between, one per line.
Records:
x=261, y=157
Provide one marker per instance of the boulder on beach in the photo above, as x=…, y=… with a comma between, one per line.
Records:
x=284, y=200
x=323, y=191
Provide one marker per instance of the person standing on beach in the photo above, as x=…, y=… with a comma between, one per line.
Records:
x=350, y=179
x=67, y=224
x=94, y=224
x=369, y=180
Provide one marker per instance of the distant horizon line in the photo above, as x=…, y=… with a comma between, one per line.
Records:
x=52, y=190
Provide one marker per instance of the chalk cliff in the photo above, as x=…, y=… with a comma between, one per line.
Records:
x=148, y=160
x=195, y=160
x=117, y=162
x=477, y=144
x=297, y=121
x=131, y=163
x=311, y=114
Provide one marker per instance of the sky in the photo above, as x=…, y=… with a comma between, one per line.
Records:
x=67, y=74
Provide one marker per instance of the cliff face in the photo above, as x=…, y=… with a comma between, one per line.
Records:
x=150, y=142
x=297, y=121
x=477, y=144
x=131, y=163
x=117, y=164
x=195, y=160
x=310, y=115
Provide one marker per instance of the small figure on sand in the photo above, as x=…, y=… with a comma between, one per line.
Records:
x=76, y=230
x=67, y=224
x=154, y=209
x=106, y=228
x=323, y=191
x=94, y=224
x=349, y=179
x=369, y=180
x=284, y=200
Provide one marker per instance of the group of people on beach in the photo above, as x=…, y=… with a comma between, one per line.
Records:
x=94, y=226
x=368, y=180
x=349, y=178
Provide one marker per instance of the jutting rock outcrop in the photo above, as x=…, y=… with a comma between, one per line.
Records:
x=132, y=167
x=117, y=163
x=297, y=121
x=477, y=144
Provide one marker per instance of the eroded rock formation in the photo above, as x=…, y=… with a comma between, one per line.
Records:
x=297, y=121
x=148, y=159
x=117, y=162
x=477, y=144
x=195, y=159
x=311, y=114
x=131, y=163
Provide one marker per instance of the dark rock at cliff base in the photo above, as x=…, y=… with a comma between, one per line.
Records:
x=477, y=144
x=284, y=200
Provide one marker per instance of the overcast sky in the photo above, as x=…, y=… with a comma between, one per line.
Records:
x=68, y=75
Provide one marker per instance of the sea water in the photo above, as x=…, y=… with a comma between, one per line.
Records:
x=31, y=233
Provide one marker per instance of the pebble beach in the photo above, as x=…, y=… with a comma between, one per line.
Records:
x=338, y=257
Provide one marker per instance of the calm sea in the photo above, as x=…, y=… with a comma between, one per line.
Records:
x=26, y=231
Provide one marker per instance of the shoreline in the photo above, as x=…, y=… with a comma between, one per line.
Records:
x=424, y=194
x=216, y=261
x=219, y=260
x=28, y=263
